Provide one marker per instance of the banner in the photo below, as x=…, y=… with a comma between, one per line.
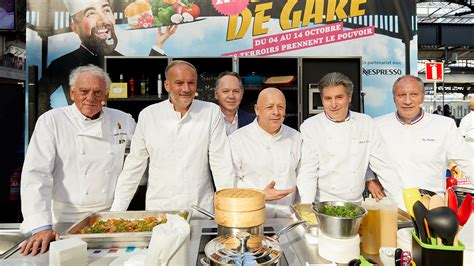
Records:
x=383, y=33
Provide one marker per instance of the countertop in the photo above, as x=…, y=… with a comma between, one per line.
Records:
x=295, y=248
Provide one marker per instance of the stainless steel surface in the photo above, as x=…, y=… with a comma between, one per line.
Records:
x=9, y=241
x=296, y=250
x=254, y=230
x=107, y=240
x=338, y=227
x=205, y=230
x=311, y=227
x=243, y=248
x=287, y=229
x=204, y=211
x=224, y=230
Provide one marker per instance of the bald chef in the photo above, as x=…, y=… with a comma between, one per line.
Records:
x=73, y=160
x=266, y=153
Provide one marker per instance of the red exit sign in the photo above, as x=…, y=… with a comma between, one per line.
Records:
x=434, y=71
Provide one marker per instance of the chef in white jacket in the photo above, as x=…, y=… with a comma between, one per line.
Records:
x=419, y=144
x=467, y=125
x=266, y=154
x=74, y=158
x=183, y=140
x=338, y=147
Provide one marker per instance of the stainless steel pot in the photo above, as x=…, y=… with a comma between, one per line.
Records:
x=224, y=230
x=339, y=227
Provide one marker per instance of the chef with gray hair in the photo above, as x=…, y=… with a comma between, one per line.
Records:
x=73, y=160
x=339, y=145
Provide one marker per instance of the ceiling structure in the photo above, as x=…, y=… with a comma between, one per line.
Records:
x=440, y=15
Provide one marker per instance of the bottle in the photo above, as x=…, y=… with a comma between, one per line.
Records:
x=147, y=86
x=159, y=84
x=131, y=84
x=388, y=223
x=142, y=86
x=370, y=242
x=121, y=78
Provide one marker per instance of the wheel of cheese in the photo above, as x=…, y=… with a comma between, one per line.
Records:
x=240, y=219
x=239, y=199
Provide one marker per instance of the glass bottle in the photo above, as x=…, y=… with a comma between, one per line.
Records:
x=142, y=86
x=159, y=84
x=131, y=84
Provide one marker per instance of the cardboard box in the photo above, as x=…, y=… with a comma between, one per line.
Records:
x=118, y=90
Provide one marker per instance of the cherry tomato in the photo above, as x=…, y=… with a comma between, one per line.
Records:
x=193, y=10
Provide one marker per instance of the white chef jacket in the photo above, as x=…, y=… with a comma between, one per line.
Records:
x=72, y=164
x=335, y=158
x=420, y=152
x=181, y=154
x=467, y=128
x=260, y=158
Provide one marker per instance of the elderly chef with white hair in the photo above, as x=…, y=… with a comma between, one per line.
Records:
x=73, y=160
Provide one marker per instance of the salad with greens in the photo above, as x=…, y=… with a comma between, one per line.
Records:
x=341, y=211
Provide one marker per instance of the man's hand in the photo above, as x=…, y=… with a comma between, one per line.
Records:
x=275, y=194
x=376, y=189
x=39, y=242
x=161, y=37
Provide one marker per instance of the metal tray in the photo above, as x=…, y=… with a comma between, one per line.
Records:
x=311, y=226
x=108, y=240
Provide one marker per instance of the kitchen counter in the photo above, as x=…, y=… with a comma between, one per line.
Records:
x=296, y=251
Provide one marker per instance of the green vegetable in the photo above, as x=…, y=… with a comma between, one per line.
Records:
x=163, y=17
x=340, y=211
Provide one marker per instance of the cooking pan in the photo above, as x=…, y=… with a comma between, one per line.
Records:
x=224, y=230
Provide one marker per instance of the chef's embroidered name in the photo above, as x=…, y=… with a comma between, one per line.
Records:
x=427, y=139
x=314, y=11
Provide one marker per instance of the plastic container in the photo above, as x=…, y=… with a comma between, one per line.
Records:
x=370, y=231
x=388, y=223
x=404, y=239
x=72, y=251
x=434, y=255
x=337, y=249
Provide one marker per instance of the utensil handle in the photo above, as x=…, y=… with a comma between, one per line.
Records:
x=287, y=229
x=203, y=211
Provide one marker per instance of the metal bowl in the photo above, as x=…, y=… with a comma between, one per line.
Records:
x=338, y=227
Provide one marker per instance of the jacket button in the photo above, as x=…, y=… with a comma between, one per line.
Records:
x=84, y=173
x=107, y=172
x=86, y=193
x=103, y=190
x=111, y=152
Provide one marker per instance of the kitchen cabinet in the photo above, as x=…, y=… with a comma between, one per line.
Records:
x=270, y=67
x=139, y=68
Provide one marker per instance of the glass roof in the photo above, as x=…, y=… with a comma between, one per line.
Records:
x=444, y=12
